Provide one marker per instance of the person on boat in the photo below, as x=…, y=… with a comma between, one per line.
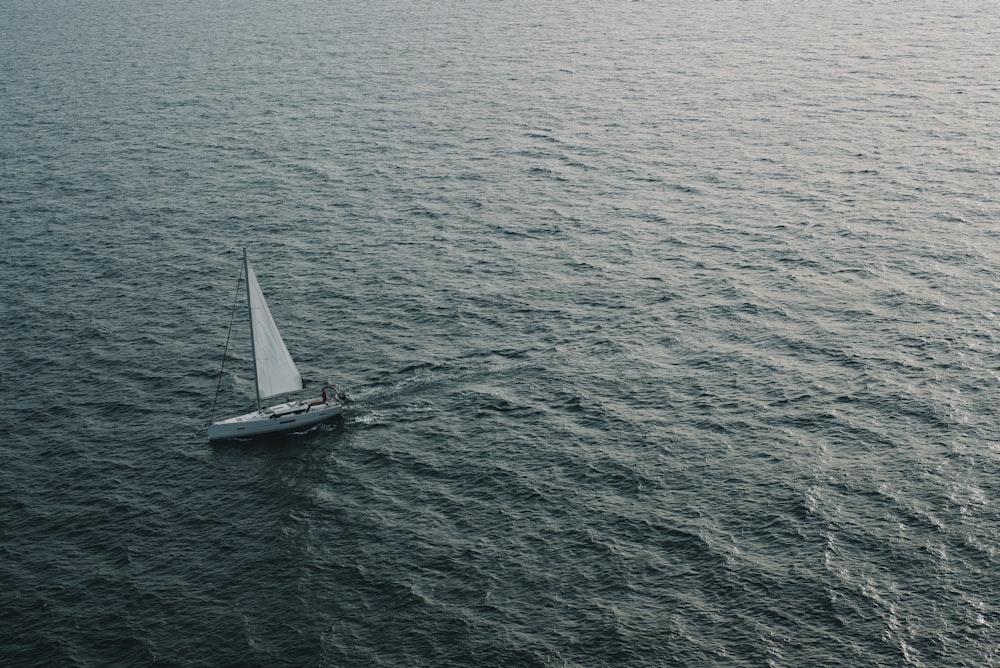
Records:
x=322, y=399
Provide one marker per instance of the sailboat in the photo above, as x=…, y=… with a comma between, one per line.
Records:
x=275, y=374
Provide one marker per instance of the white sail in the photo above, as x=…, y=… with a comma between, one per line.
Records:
x=276, y=372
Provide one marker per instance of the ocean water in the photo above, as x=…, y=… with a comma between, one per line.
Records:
x=670, y=328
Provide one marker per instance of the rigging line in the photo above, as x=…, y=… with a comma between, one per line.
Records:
x=232, y=319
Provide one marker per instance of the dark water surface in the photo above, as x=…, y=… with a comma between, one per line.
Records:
x=671, y=329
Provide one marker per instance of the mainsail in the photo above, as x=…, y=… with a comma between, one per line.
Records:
x=276, y=372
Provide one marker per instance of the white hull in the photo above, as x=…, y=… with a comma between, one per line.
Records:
x=283, y=417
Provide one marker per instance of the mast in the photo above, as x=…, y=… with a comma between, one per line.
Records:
x=253, y=352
